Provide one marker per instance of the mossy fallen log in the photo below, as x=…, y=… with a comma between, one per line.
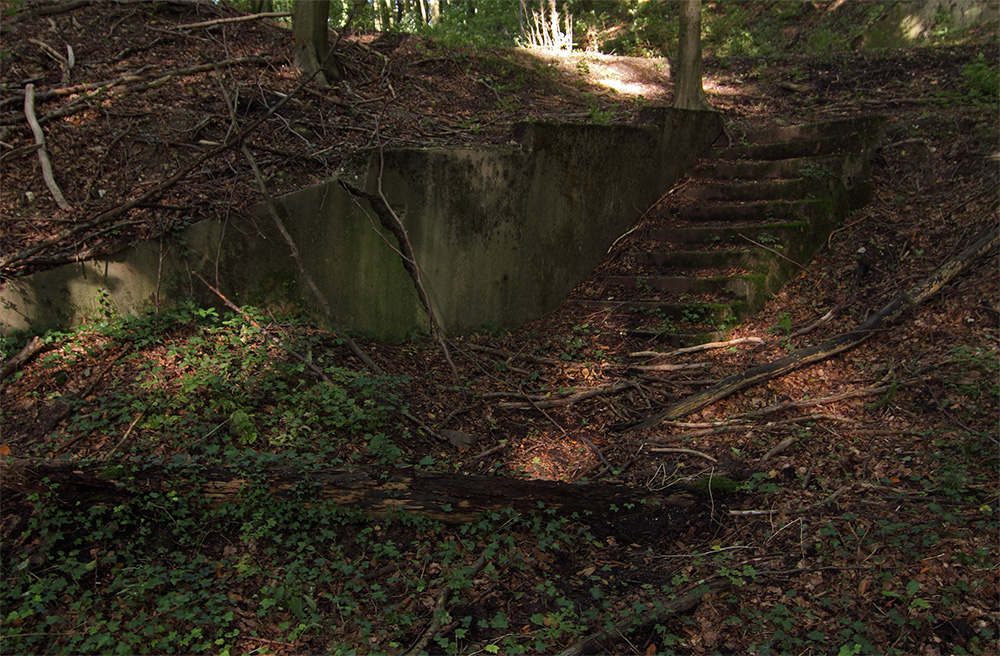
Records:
x=449, y=498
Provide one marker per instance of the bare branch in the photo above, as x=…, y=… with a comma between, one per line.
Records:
x=43, y=155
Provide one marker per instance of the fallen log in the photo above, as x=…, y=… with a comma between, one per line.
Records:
x=449, y=498
x=681, y=604
x=833, y=346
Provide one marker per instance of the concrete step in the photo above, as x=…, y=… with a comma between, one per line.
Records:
x=670, y=336
x=731, y=234
x=741, y=287
x=836, y=145
x=723, y=258
x=767, y=190
x=696, y=315
x=717, y=250
x=796, y=167
x=759, y=212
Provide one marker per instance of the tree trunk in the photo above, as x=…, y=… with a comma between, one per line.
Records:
x=310, y=44
x=688, y=90
x=449, y=498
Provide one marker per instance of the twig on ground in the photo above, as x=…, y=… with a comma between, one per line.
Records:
x=513, y=356
x=690, y=452
x=779, y=448
x=680, y=604
x=128, y=432
x=68, y=410
x=699, y=347
x=390, y=221
x=155, y=190
x=775, y=251
x=801, y=511
x=667, y=367
x=43, y=155
x=808, y=403
x=436, y=625
x=568, y=400
x=236, y=19
x=831, y=313
x=141, y=76
x=34, y=346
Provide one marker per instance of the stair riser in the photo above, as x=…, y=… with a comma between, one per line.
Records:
x=756, y=191
x=782, y=168
x=716, y=314
x=753, y=260
x=742, y=288
x=756, y=212
x=767, y=234
x=795, y=149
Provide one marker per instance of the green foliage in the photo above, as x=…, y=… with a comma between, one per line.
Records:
x=236, y=387
x=981, y=79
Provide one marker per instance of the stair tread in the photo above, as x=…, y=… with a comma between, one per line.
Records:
x=711, y=251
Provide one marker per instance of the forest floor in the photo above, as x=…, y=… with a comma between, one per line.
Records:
x=873, y=529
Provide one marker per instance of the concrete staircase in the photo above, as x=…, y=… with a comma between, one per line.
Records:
x=749, y=217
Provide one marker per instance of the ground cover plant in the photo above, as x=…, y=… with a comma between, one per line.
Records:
x=846, y=508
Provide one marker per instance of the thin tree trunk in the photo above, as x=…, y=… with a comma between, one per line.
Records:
x=310, y=44
x=688, y=90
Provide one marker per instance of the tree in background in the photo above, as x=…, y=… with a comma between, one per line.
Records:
x=688, y=90
x=541, y=26
x=310, y=45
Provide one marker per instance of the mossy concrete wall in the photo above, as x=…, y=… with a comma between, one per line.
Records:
x=149, y=275
x=502, y=235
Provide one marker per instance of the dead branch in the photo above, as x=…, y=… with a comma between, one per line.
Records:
x=18, y=152
x=681, y=604
x=690, y=452
x=793, y=405
x=140, y=76
x=154, y=191
x=807, y=356
x=537, y=359
x=600, y=390
x=68, y=408
x=43, y=155
x=34, y=346
x=49, y=10
x=779, y=448
x=698, y=348
x=391, y=222
x=801, y=511
x=280, y=225
x=237, y=19
x=666, y=367
x=443, y=596
x=776, y=252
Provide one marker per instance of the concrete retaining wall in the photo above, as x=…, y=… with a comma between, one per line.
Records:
x=501, y=234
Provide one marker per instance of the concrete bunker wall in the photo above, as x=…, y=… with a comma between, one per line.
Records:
x=502, y=235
